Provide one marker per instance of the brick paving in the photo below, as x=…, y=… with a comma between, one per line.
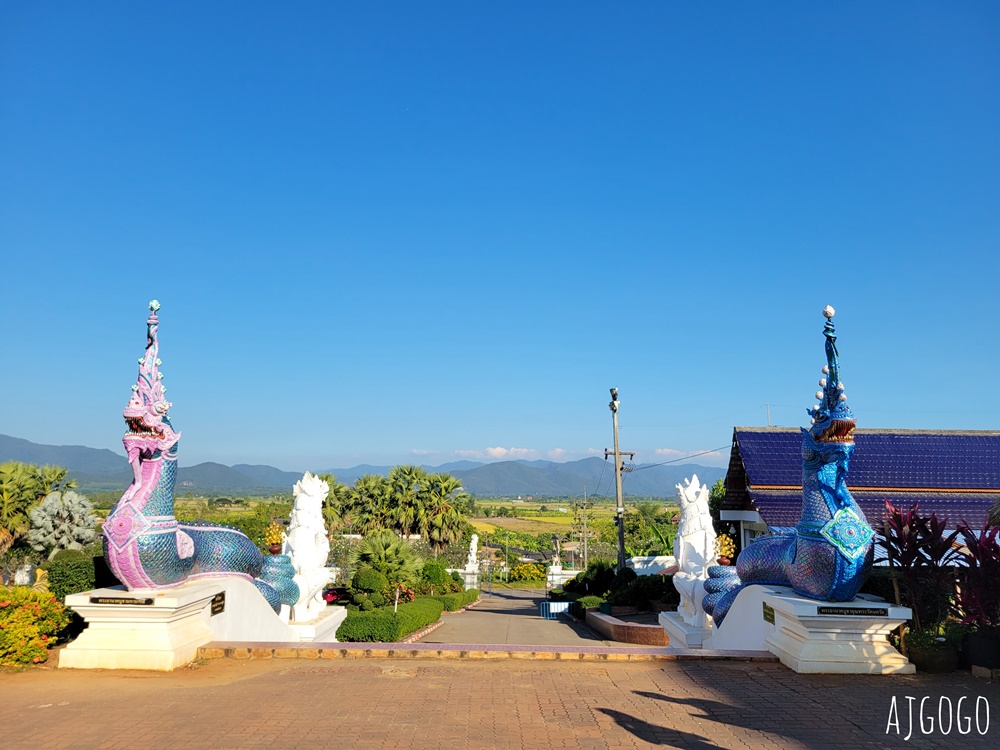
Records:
x=382, y=703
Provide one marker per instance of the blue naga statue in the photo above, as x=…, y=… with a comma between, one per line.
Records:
x=828, y=553
x=144, y=544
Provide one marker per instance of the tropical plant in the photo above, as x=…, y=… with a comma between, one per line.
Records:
x=391, y=556
x=917, y=546
x=335, y=504
x=63, y=520
x=978, y=596
x=22, y=486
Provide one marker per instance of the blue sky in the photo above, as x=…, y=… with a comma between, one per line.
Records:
x=423, y=232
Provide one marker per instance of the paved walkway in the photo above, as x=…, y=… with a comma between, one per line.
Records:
x=480, y=704
x=510, y=616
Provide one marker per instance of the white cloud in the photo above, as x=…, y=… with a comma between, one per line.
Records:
x=423, y=452
x=556, y=453
x=498, y=453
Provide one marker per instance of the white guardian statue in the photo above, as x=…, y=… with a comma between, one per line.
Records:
x=308, y=546
x=694, y=549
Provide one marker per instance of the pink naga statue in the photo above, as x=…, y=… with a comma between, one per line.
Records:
x=145, y=545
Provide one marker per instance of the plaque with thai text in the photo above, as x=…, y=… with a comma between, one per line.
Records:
x=854, y=611
x=219, y=603
x=120, y=600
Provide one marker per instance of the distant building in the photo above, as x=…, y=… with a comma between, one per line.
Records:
x=953, y=473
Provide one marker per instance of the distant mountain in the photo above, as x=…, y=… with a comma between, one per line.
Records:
x=102, y=469
x=572, y=478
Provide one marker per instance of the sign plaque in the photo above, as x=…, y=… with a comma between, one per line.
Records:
x=768, y=613
x=218, y=603
x=120, y=600
x=854, y=611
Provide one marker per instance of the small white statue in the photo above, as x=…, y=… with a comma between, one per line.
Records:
x=694, y=549
x=472, y=563
x=308, y=546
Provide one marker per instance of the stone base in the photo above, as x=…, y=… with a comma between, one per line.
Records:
x=851, y=641
x=323, y=629
x=681, y=634
x=814, y=637
x=163, y=629
x=163, y=634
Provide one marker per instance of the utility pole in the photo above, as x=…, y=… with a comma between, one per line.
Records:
x=619, y=468
x=768, y=407
x=584, y=534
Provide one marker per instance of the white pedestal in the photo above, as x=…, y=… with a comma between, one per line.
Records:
x=149, y=629
x=811, y=636
x=836, y=637
x=681, y=634
x=163, y=629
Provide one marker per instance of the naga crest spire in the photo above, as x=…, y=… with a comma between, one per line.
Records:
x=149, y=428
x=832, y=419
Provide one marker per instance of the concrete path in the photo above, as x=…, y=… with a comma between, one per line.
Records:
x=537, y=705
x=510, y=616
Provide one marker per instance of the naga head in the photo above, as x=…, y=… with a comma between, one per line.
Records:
x=832, y=419
x=149, y=428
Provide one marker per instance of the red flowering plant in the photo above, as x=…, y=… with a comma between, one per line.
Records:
x=926, y=558
x=978, y=597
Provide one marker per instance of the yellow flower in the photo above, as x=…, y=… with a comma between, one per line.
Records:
x=724, y=546
x=274, y=534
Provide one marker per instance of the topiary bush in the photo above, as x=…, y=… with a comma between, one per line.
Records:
x=29, y=621
x=369, y=580
x=471, y=595
x=597, y=578
x=385, y=626
x=70, y=572
x=434, y=573
x=451, y=602
x=623, y=578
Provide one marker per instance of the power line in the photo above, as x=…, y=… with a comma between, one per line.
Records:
x=683, y=458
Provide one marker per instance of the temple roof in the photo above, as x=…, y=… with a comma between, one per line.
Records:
x=954, y=473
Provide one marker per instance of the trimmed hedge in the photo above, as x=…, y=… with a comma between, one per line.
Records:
x=29, y=620
x=644, y=589
x=454, y=602
x=385, y=626
x=70, y=572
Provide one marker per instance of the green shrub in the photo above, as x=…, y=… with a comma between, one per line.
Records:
x=434, y=573
x=586, y=602
x=471, y=595
x=644, y=589
x=597, y=578
x=623, y=578
x=29, y=620
x=368, y=580
x=456, y=577
x=385, y=626
x=377, y=598
x=451, y=602
x=70, y=571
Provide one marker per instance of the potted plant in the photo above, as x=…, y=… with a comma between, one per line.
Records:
x=725, y=548
x=933, y=650
x=274, y=535
x=978, y=598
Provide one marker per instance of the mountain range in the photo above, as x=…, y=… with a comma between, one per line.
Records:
x=102, y=469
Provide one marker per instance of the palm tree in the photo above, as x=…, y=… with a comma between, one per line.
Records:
x=409, y=492
x=444, y=519
x=370, y=503
x=388, y=554
x=21, y=489
x=336, y=503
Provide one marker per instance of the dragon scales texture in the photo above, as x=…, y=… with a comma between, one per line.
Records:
x=145, y=545
x=828, y=553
